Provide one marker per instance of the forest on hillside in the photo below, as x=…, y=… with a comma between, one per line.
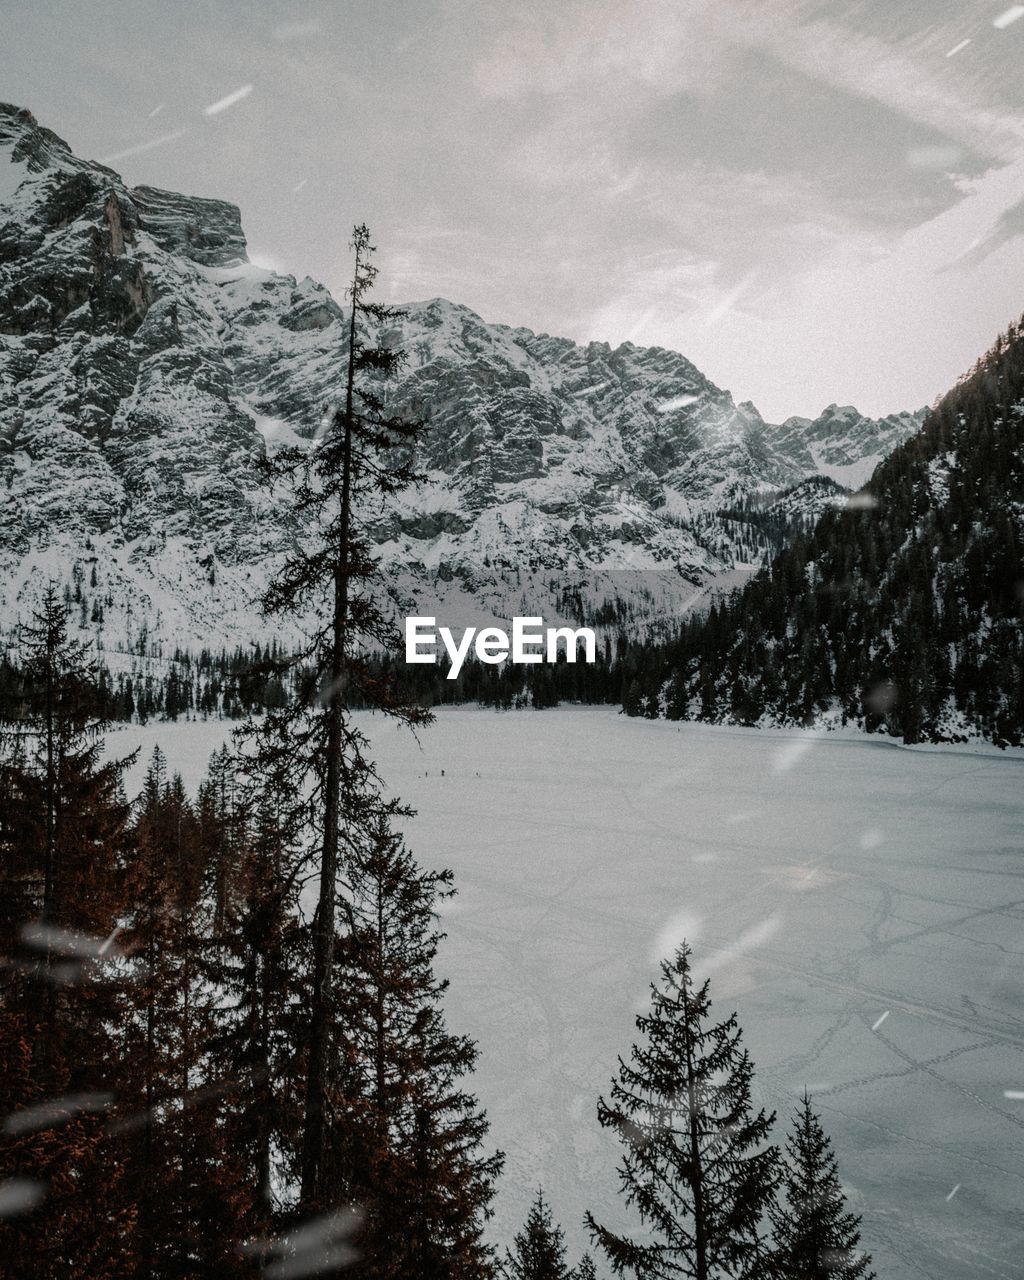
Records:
x=902, y=613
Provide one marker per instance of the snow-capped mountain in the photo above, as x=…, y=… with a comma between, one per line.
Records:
x=146, y=365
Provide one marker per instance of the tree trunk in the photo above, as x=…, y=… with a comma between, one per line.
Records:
x=45, y=1045
x=314, y=1134
x=696, y=1175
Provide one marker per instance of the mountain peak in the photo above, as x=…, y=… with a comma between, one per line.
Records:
x=201, y=229
x=19, y=124
x=37, y=148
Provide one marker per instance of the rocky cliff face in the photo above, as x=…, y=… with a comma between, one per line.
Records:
x=146, y=366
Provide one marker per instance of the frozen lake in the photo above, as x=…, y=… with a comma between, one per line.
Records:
x=859, y=904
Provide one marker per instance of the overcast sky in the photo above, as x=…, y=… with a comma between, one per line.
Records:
x=814, y=202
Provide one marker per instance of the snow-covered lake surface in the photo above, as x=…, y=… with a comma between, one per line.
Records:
x=859, y=904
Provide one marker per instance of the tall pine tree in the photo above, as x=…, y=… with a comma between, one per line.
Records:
x=696, y=1163
x=361, y=455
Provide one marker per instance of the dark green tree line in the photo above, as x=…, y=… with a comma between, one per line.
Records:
x=903, y=612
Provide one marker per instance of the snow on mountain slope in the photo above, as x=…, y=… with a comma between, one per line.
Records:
x=146, y=365
x=844, y=445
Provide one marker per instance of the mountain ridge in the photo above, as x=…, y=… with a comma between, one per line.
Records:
x=146, y=366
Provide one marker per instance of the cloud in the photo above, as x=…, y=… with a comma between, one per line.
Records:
x=866, y=66
x=300, y=30
x=936, y=156
x=666, y=200
x=728, y=300
x=621, y=56
x=1008, y=226
x=622, y=53
x=431, y=258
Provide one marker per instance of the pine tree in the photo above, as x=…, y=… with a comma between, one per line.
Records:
x=194, y=1200
x=64, y=848
x=815, y=1237
x=696, y=1165
x=538, y=1251
x=362, y=454
x=223, y=819
x=258, y=961
x=412, y=1158
x=64, y=829
x=585, y=1270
